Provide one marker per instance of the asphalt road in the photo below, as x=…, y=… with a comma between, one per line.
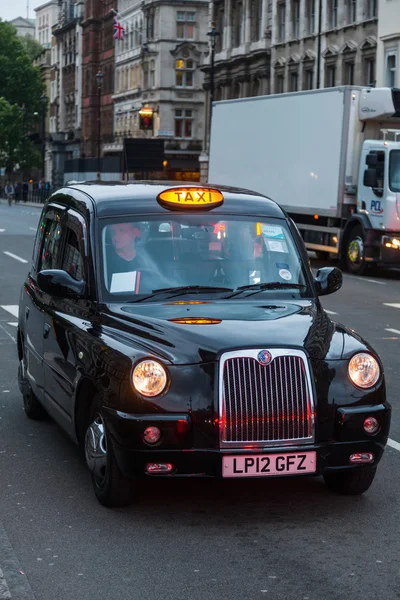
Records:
x=189, y=540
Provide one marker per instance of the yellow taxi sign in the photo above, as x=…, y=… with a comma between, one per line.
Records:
x=182, y=198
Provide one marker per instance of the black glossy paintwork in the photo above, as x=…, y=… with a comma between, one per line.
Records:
x=84, y=348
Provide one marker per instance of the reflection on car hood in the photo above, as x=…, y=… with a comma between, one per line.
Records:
x=187, y=332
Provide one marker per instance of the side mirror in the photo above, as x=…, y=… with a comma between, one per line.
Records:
x=328, y=280
x=370, y=178
x=60, y=283
x=371, y=160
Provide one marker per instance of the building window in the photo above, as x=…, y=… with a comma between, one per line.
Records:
x=220, y=12
x=238, y=22
x=236, y=90
x=145, y=75
x=256, y=88
x=281, y=21
x=280, y=82
x=150, y=25
x=183, y=123
x=372, y=9
x=330, y=76
x=308, y=82
x=185, y=23
x=256, y=20
x=369, y=72
x=294, y=82
x=152, y=73
x=391, y=65
x=310, y=16
x=351, y=11
x=333, y=12
x=296, y=19
x=349, y=73
x=184, y=70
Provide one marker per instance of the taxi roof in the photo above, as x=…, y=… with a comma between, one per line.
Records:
x=140, y=197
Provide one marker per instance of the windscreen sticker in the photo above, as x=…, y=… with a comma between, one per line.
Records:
x=282, y=266
x=276, y=246
x=272, y=232
x=254, y=277
x=285, y=274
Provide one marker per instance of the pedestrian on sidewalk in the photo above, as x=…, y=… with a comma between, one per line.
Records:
x=10, y=192
x=25, y=190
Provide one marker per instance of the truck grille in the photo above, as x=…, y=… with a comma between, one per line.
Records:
x=265, y=404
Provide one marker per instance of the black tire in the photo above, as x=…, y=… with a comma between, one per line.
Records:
x=33, y=409
x=351, y=483
x=354, y=251
x=111, y=487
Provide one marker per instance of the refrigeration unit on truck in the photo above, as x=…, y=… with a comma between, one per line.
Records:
x=330, y=158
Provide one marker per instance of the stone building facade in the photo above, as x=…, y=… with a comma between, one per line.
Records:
x=46, y=18
x=97, y=55
x=158, y=65
x=277, y=46
x=388, y=55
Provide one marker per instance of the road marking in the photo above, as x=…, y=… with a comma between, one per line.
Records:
x=13, y=324
x=33, y=228
x=4, y=589
x=330, y=312
x=2, y=230
x=393, y=444
x=15, y=256
x=393, y=305
x=392, y=330
x=375, y=281
x=13, y=309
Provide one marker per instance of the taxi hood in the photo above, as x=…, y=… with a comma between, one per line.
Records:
x=189, y=332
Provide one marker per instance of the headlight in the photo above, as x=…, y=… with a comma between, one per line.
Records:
x=364, y=370
x=149, y=378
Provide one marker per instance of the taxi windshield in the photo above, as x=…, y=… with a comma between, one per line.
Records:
x=203, y=253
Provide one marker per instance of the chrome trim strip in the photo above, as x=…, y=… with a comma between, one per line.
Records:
x=270, y=405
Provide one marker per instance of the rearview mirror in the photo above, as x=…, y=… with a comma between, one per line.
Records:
x=370, y=178
x=328, y=280
x=60, y=283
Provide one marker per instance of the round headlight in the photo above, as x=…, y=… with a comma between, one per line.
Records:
x=149, y=378
x=364, y=370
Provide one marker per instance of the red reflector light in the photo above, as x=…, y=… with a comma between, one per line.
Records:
x=362, y=457
x=159, y=468
x=152, y=435
x=371, y=425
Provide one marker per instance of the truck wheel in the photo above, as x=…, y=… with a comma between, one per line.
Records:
x=33, y=409
x=354, y=258
x=351, y=483
x=109, y=484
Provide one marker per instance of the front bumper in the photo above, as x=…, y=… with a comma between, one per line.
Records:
x=177, y=448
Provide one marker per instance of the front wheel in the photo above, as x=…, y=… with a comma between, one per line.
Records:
x=354, y=258
x=109, y=484
x=351, y=483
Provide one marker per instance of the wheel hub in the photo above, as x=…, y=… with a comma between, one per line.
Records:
x=96, y=448
x=356, y=251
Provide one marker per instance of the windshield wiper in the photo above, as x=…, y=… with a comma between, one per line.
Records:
x=185, y=289
x=272, y=285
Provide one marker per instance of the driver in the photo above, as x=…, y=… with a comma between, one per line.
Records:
x=124, y=258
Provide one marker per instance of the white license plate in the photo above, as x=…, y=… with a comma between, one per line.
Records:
x=262, y=465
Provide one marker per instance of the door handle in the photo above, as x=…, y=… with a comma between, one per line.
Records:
x=26, y=312
x=46, y=330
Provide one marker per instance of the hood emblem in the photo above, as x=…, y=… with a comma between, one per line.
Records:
x=264, y=357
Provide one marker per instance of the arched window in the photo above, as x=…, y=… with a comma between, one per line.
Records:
x=184, y=72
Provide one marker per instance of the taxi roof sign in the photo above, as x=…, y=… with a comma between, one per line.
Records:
x=189, y=198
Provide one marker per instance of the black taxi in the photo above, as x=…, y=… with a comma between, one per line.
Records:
x=177, y=331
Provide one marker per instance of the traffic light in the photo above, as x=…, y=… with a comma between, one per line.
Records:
x=146, y=118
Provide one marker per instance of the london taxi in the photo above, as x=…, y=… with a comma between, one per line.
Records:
x=178, y=332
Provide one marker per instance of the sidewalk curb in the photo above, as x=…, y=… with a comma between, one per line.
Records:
x=14, y=583
x=20, y=203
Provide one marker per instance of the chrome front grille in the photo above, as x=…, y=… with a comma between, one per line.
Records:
x=265, y=405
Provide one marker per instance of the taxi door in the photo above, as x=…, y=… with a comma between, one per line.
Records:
x=33, y=299
x=63, y=324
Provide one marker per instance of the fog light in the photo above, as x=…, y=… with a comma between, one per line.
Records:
x=362, y=457
x=159, y=468
x=371, y=425
x=152, y=435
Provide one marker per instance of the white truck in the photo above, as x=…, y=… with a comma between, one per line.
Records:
x=330, y=158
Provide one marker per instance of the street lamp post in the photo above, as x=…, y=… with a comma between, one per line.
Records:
x=213, y=35
x=43, y=100
x=99, y=79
